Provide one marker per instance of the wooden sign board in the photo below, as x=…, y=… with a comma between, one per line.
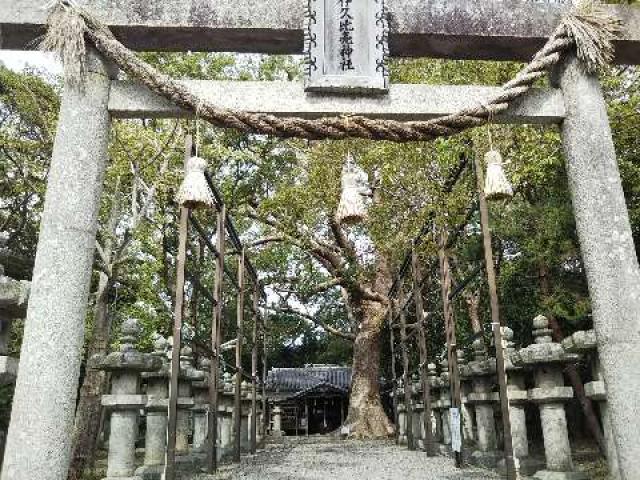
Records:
x=346, y=46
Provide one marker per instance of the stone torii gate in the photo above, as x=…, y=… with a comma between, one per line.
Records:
x=38, y=444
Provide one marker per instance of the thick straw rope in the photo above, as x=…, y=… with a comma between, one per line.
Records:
x=597, y=29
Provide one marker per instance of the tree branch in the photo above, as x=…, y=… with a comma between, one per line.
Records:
x=315, y=321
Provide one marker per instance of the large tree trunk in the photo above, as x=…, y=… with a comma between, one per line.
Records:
x=88, y=412
x=367, y=418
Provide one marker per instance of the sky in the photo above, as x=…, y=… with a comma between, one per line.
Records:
x=18, y=60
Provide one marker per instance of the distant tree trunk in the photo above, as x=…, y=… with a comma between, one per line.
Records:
x=367, y=418
x=572, y=372
x=472, y=299
x=88, y=412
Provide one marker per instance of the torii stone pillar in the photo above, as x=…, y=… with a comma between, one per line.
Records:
x=608, y=253
x=39, y=438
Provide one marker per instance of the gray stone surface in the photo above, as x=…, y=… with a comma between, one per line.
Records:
x=404, y=102
x=498, y=29
x=38, y=442
x=608, y=253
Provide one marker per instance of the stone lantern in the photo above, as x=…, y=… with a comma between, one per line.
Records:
x=481, y=370
x=547, y=358
x=125, y=400
x=518, y=398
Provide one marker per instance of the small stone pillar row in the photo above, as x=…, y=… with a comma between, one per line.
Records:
x=201, y=406
x=125, y=400
x=547, y=358
x=188, y=375
x=584, y=342
x=155, y=440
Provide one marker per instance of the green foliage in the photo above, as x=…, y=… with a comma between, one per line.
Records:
x=298, y=183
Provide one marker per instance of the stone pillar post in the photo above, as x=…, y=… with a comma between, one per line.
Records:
x=226, y=429
x=585, y=342
x=276, y=415
x=608, y=253
x=467, y=413
x=188, y=375
x=445, y=403
x=201, y=407
x=434, y=384
x=125, y=400
x=245, y=426
x=402, y=424
x=155, y=440
x=550, y=394
x=39, y=437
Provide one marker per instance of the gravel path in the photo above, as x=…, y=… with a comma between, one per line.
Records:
x=330, y=459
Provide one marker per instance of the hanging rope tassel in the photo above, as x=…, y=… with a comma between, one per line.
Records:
x=195, y=192
x=593, y=30
x=351, y=209
x=496, y=184
x=65, y=37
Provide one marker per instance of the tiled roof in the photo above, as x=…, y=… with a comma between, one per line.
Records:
x=298, y=379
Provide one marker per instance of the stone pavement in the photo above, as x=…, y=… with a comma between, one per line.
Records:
x=330, y=459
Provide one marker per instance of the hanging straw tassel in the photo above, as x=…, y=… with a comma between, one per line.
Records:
x=496, y=184
x=195, y=192
x=593, y=30
x=65, y=38
x=351, y=209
